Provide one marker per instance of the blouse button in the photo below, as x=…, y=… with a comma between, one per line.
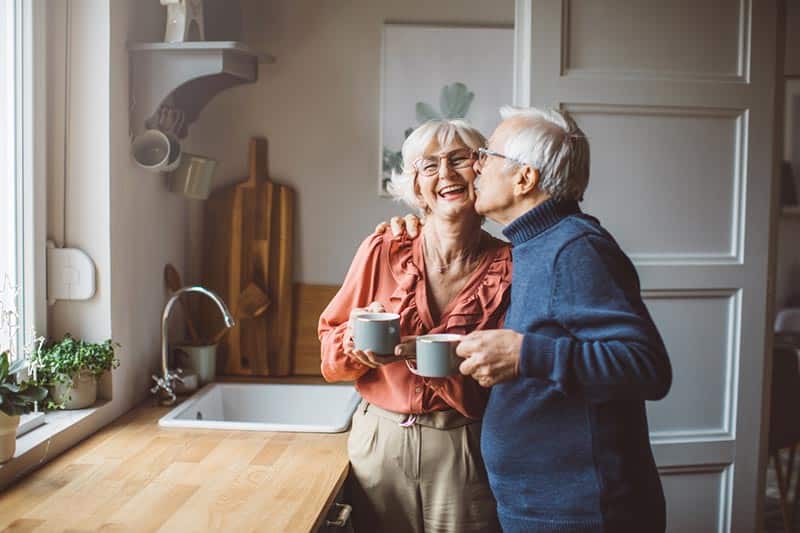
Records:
x=418, y=390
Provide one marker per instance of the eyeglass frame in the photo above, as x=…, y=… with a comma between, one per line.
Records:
x=484, y=153
x=471, y=155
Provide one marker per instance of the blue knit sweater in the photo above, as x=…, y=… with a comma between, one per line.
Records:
x=566, y=444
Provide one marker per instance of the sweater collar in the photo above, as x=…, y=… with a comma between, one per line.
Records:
x=538, y=219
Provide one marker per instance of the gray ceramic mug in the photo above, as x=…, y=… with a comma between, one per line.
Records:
x=436, y=355
x=377, y=332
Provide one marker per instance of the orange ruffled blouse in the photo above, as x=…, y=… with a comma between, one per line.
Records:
x=391, y=270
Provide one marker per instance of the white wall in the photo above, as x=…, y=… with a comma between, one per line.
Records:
x=148, y=223
x=318, y=108
x=85, y=221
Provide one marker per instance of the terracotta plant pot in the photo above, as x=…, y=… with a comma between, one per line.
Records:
x=8, y=436
x=78, y=393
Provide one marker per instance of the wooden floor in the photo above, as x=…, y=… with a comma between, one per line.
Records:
x=135, y=476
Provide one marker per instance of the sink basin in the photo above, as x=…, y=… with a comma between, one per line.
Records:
x=267, y=407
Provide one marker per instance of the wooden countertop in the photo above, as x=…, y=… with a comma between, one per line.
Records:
x=136, y=476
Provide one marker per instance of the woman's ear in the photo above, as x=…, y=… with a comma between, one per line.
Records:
x=526, y=180
x=420, y=200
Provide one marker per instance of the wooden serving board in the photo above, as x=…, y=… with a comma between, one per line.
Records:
x=249, y=233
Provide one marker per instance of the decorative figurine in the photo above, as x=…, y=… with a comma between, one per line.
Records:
x=184, y=21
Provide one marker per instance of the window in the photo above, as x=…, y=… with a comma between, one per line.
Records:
x=10, y=301
x=22, y=178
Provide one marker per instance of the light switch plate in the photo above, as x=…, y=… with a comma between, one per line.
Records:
x=70, y=274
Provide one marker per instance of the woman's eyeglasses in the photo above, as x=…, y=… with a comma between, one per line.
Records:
x=429, y=166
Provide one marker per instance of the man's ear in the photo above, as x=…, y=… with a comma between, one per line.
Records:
x=526, y=180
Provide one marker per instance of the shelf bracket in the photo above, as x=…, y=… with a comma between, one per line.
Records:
x=184, y=77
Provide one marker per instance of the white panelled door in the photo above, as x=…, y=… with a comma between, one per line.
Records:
x=677, y=101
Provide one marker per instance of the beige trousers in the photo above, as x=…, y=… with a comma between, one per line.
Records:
x=428, y=476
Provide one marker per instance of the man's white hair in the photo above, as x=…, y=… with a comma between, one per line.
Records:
x=551, y=142
x=443, y=132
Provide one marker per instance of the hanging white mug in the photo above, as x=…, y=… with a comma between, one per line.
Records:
x=155, y=151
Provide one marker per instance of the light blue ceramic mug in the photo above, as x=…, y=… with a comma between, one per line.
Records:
x=436, y=355
x=377, y=332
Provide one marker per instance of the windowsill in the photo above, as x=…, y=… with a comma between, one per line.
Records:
x=30, y=421
x=61, y=430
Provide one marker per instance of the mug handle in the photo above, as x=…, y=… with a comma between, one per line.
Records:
x=412, y=370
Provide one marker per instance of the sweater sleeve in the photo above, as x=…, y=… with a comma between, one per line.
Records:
x=611, y=348
x=358, y=290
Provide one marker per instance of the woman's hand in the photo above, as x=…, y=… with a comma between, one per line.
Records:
x=409, y=224
x=366, y=357
x=374, y=307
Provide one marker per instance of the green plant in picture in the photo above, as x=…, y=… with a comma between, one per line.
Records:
x=454, y=102
x=69, y=364
x=17, y=397
x=392, y=161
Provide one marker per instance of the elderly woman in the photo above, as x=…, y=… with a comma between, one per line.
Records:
x=414, y=445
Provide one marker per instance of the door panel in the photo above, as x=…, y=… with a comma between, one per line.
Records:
x=699, y=332
x=693, y=497
x=640, y=39
x=686, y=195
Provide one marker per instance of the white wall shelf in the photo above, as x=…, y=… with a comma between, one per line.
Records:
x=186, y=76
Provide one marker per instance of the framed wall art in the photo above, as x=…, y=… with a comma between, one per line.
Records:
x=433, y=72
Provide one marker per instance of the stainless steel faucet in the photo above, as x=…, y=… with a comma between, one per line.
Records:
x=165, y=382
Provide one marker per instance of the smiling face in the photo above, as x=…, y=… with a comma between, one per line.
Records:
x=445, y=180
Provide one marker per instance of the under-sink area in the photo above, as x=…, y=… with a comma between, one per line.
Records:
x=299, y=408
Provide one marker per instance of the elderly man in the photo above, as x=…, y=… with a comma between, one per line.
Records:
x=565, y=437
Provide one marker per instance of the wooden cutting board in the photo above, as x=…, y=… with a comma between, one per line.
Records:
x=249, y=233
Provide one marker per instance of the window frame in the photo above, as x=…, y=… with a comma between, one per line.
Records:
x=29, y=178
x=31, y=166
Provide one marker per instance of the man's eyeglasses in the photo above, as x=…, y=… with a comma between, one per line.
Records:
x=483, y=155
x=429, y=166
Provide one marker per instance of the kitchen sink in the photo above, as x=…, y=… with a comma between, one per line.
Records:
x=267, y=407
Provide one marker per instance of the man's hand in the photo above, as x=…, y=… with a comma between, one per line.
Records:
x=492, y=356
x=408, y=224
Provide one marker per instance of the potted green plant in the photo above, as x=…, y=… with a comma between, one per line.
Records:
x=70, y=368
x=16, y=398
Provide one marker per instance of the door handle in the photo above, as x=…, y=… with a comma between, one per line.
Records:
x=342, y=517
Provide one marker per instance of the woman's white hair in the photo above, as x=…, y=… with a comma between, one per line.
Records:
x=443, y=132
x=551, y=142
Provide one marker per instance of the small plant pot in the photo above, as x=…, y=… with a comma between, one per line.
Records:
x=78, y=393
x=8, y=436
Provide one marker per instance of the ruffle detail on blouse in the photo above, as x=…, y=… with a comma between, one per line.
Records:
x=475, y=308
